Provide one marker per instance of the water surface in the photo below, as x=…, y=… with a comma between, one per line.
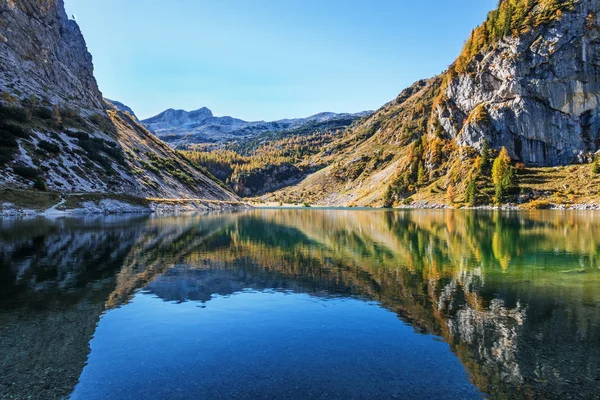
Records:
x=286, y=304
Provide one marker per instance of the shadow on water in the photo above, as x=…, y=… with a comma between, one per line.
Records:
x=515, y=295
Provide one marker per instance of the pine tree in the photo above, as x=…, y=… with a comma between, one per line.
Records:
x=388, y=197
x=421, y=175
x=485, y=154
x=471, y=193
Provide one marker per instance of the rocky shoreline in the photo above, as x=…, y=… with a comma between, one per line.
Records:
x=111, y=206
x=508, y=206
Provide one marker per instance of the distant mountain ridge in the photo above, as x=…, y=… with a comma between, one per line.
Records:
x=182, y=128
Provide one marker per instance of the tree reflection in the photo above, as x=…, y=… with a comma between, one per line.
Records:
x=516, y=295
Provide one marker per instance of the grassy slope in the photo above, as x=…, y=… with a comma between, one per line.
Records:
x=105, y=152
x=365, y=159
x=402, y=146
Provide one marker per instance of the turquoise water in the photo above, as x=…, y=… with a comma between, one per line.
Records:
x=297, y=304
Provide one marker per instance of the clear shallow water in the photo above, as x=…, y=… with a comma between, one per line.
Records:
x=302, y=304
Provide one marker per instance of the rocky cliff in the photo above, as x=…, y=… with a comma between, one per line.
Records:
x=43, y=53
x=539, y=91
x=56, y=131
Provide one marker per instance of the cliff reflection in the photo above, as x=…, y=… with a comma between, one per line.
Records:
x=516, y=295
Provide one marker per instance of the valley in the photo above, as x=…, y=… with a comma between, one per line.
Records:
x=525, y=86
x=413, y=251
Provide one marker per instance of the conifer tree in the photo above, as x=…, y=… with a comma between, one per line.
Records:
x=471, y=193
x=422, y=175
x=485, y=154
x=502, y=175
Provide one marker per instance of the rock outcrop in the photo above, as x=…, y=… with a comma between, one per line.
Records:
x=539, y=92
x=43, y=53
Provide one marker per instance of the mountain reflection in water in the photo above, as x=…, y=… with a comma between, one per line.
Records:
x=516, y=296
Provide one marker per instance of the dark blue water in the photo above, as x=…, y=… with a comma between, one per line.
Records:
x=266, y=344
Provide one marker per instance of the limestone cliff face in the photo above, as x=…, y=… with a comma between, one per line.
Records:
x=43, y=53
x=538, y=93
x=56, y=131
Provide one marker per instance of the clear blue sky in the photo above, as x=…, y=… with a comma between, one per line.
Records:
x=268, y=59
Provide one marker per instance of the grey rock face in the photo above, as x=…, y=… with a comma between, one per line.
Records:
x=94, y=146
x=43, y=53
x=541, y=92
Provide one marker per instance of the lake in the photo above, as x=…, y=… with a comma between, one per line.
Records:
x=302, y=304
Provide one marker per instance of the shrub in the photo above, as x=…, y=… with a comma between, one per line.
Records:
x=71, y=117
x=6, y=154
x=28, y=173
x=96, y=119
x=14, y=129
x=146, y=165
x=94, y=147
x=40, y=184
x=537, y=205
x=31, y=101
x=57, y=117
x=49, y=146
x=78, y=135
x=18, y=114
x=43, y=113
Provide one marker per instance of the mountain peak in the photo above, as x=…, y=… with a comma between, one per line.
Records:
x=172, y=117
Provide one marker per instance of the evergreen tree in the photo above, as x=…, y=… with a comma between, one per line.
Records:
x=388, y=197
x=422, y=175
x=502, y=175
x=471, y=193
x=485, y=154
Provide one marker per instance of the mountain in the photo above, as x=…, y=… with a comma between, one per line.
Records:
x=183, y=129
x=117, y=105
x=56, y=131
x=527, y=80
